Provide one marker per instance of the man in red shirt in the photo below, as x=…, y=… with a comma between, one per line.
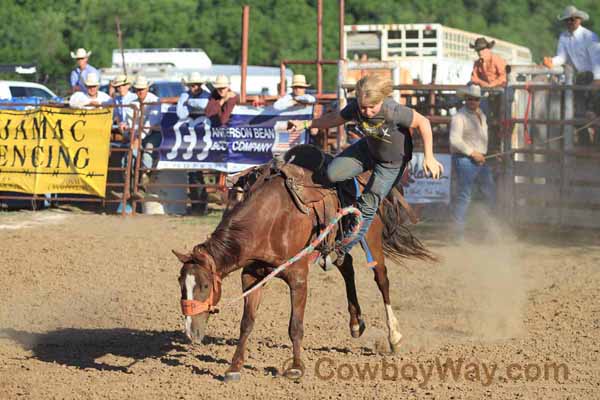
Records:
x=490, y=69
x=221, y=102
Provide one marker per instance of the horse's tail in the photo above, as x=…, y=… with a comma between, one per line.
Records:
x=398, y=242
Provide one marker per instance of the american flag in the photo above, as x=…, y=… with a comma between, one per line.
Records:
x=287, y=139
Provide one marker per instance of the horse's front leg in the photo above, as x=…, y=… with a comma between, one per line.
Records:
x=357, y=325
x=251, y=303
x=296, y=278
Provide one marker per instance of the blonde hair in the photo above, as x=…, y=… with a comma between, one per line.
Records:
x=372, y=89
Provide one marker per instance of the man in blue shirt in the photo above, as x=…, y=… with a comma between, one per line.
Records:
x=193, y=101
x=79, y=74
x=123, y=116
x=192, y=104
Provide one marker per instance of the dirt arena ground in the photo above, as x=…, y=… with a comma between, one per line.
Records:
x=89, y=310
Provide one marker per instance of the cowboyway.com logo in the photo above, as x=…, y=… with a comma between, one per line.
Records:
x=484, y=373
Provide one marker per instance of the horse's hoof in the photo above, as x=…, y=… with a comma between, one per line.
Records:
x=293, y=373
x=233, y=376
x=357, y=330
x=395, y=347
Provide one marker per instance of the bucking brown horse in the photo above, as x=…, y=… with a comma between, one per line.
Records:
x=285, y=208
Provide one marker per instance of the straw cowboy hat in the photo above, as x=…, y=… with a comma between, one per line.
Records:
x=221, y=82
x=470, y=91
x=81, y=53
x=573, y=12
x=91, y=80
x=482, y=43
x=141, y=82
x=349, y=82
x=121, y=80
x=194, y=77
x=299, y=80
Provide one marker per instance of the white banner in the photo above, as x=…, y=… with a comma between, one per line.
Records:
x=421, y=189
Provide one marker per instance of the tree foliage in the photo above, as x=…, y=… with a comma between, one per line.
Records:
x=44, y=31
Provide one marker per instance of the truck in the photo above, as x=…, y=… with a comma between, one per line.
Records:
x=425, y=53
x=172, y=65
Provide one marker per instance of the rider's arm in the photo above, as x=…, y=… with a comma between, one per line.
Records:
x=430, y=164
x=329, y=120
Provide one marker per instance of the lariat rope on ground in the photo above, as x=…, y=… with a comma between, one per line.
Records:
x=307, y=250
x=587, y=125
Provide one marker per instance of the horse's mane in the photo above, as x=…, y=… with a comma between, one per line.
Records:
x=226, y=242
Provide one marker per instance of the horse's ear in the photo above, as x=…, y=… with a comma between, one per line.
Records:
x=184, y=258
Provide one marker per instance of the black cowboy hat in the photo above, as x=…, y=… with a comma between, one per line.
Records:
x=482, y=43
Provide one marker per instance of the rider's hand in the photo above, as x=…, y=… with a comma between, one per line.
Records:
x=295, y=125
x=548, y=62
x=433, y=167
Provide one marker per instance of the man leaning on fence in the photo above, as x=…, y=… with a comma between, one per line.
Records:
x=298, y=97
x=123, y=116
x=221, y=102
x=150, y=123
x=580, y=47
x=191, y=105
x=193, y=102
x=92, y=97
x=468, y=144
x=123, y=123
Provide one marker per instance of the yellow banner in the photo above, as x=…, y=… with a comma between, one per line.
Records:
x=54, y=150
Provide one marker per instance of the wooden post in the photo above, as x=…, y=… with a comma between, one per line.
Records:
x=120, y=41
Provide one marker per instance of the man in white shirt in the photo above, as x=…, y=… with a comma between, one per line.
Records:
x=468, y=144
x=93, y=97
x=577, y=46
x=298, y=95
x=580, y=48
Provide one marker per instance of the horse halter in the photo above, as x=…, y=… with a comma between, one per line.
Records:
x=194, y=307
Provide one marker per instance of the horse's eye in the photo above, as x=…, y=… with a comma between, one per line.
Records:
x=206, y=286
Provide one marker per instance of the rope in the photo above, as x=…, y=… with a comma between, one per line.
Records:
x=307, y=250
x=587, y=125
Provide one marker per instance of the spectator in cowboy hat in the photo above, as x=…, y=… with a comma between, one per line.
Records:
x=298, y=95
x=83, y=69
x=151, y=118
x=195, y=99
x=191, y=104
x=469, y=145
x=221, y=102
x=490, y=69
x=93, y=97
x=579, y=47
x=123, y=115
x=123, y=118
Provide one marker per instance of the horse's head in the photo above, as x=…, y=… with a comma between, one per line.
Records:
x=200, y=292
